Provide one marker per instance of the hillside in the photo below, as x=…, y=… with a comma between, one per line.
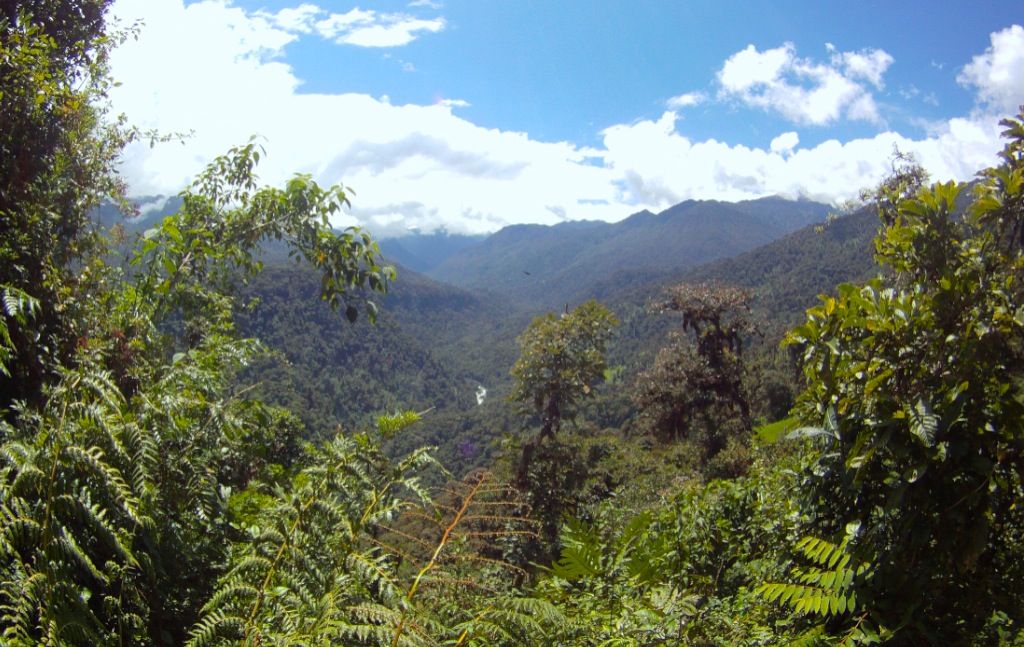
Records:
x=543, y=267
x=424, y=252
x=332, y=373
x=436, y=345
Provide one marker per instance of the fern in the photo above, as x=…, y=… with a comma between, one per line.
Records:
x=825, y=590
x=18, y=306
x=358, y=552
x=68, y=519
x=312, y=560
x=581, y=552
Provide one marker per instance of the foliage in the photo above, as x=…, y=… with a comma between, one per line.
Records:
x=698, y=388
x=17, y=306
x=121, y=438
x=58, y=151
x=562, y=358
x=193, y=258
x=914, y=384
x=356, y=551
x=290, y=577
x=683, y=571
x=827, y=589
x=69, y=511
x=147, y=497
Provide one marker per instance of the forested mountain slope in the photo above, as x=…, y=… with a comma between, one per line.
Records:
x=542, y=266
x=424, y=252
x=784, y=278
x=436, y=345
x=330, y=372
x=434, y=348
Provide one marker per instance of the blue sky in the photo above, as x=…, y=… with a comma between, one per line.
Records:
x=474, y=114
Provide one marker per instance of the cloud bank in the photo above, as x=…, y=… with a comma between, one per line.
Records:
x=423, y=166
x=804, y=91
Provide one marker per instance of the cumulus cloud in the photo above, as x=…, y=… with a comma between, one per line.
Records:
x=660, y=166
x=422, y=166
x=785, y=143
x=998, y=74
x=365, y=28
x=802, y=90
x=868, y=64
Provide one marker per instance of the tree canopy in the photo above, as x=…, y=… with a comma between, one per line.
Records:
x=147, y=497
x=697, y=388
x=914, y=388
x=562, y=358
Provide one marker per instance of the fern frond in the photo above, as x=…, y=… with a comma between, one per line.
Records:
x=827, y=589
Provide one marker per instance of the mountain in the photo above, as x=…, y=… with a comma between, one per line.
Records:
x=543, y=267
x=423, y=252
x=150, y=210
x=784, y=278
x=436, y=345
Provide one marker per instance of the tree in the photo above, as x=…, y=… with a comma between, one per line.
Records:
x=58, y=151
x=914, y=394
x=562, y=358
x=121, y=434
x=697, y=386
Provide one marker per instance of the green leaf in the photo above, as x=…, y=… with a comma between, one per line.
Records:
x=924, y=424
x=173, y=232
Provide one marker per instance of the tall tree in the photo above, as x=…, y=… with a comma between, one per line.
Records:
x=697, y=386
x=562, y=358
x=58, y=149
x=915, y=386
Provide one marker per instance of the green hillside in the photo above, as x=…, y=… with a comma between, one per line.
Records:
x=542, y=267
x=201, y=446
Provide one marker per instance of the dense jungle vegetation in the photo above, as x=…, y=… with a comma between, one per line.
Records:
x=167, y=477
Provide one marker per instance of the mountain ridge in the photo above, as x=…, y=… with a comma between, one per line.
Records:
x=543, y=266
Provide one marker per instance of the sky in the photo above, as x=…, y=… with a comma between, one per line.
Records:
x=470, y=115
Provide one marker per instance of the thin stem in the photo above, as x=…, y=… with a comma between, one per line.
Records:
x=433, y=559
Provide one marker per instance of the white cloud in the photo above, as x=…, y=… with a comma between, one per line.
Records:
x=454, y=103
x=336, y=25
x=294, y=19
x=784, y=143
x=396, y=30
x=419, y=161
x=659, y=166
x=866, y=64
x=750, y=68
x=687, y=100
x=801, y=90
x=365, y=28
x=422, y=166
x=999, y=72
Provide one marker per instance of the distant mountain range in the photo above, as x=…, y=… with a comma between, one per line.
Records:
x=542, y=267
x=424, y=252
x=448, y=327
x=436, y=345
x=537, y=265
